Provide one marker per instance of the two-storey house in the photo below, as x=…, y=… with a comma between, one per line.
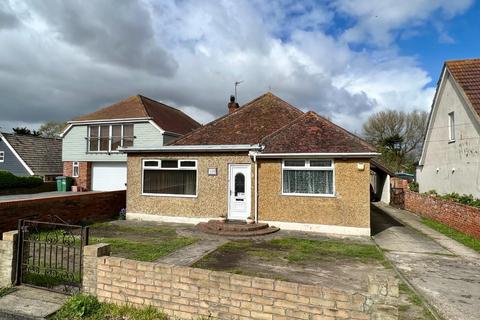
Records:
x=90, y=142
x=450, y=159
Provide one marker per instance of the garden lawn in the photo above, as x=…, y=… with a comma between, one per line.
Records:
x=461, y=237
x=138, y=241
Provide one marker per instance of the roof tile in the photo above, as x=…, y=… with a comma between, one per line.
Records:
x=467, y=74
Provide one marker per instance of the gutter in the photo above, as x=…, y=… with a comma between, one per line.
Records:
x=318, y=155
x=109, y=120
x=196, y=148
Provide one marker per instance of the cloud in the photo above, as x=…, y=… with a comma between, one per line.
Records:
x=379, y=22
x=66, y=58
x=7, y=17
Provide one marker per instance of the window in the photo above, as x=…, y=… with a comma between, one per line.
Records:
x=308, y=177
x=108, y=138
x=75, y=169
x=2, y=156
x=170, y=177
x=451, y=126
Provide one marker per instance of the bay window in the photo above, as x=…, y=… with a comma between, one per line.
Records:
x=308, y=177
x=170, y=177
x=108, y=138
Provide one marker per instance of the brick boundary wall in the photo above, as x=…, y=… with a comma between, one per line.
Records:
x=188, y=293
x=72, y=208
x=456, y=215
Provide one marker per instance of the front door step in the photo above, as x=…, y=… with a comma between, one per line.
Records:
x=30, y=303
x=236, y=229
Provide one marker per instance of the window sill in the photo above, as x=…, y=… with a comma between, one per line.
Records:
x=309, y=195
x=169, y=195
x=451, y=141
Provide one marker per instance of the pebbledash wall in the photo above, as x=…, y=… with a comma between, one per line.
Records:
x=348, y=212
x=456, y=215
x=188, y=293
x=72, y=208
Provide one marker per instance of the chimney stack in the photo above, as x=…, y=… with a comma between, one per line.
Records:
x=232, y=105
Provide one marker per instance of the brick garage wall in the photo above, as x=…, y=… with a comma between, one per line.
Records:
x=188, y=293
x=72, y=208
x=84, y=179
x=456, y=215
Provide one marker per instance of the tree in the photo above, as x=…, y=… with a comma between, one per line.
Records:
x=398, y=136
x=52, y=129
x=25, y=131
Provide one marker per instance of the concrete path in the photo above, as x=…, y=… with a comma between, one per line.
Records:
x=30, y=303
x=443, y=271
x=190, y=254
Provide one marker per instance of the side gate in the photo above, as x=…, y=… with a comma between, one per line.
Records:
x=50, y=255
x=397, y=198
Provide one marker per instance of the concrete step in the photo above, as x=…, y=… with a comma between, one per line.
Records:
x=236, y=229
x=30, y=303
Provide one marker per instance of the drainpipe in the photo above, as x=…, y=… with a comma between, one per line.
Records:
x=256, y=186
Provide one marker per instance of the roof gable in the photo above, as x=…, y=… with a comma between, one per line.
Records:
x=42, y=155
x=248, y=125
x=312, y=133
x=467, y=74
x=138, y=107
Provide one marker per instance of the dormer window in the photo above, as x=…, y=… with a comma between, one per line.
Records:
x=108, y=138
x=451, y=127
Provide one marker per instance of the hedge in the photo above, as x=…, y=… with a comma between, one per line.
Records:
x=9, y=181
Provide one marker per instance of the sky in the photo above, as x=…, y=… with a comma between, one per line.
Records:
x=344, y=59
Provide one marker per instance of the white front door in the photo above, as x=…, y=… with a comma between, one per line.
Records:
x=239, y=191
x=109, y=176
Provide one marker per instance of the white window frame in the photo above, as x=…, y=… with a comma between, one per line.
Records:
x=110, y=137
x=159, y=167
x=2, y=156
x=308, y=167
x=75, y=164
x=451, y=126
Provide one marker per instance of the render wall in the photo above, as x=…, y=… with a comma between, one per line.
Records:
x=74, y=146
x=350, y=207
x=458, y=162
x=212, y=197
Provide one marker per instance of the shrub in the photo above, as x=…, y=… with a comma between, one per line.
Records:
x=10, y=181
x=465, y=199
x=413, y=186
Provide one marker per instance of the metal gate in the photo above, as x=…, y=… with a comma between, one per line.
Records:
x=397, y=198
x=50, y=255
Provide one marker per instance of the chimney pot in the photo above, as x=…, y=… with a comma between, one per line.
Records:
x=232, y=105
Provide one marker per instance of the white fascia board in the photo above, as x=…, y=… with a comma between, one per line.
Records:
x=440, y=85
x=153, y=123
x=194, y=148
x=316, y=155
x=24, y=164
x=109, y=120
x=64, y=132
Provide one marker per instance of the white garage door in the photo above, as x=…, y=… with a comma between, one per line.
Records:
x=109, y=176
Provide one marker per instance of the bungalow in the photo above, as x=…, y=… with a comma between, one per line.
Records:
x=267, y=161
x=29, y=155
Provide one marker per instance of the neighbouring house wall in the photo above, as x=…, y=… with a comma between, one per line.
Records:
x=212, y=199
x=72, y=208
x=168, y=138
x=11, y=162
x=463, y=155
x=189, y=293
x=456, y=215
x=75, y=143
x=350, y=207
x=84, y=179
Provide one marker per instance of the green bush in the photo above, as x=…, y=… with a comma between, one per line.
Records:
x=466, y=199
x=10, y=181
x=413, y=186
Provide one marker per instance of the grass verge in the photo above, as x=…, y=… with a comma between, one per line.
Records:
x=415, y=300
x=461, y=237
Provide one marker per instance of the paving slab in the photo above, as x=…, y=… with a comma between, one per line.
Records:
x=443, y=271
x=30, y=303
x=188, y=255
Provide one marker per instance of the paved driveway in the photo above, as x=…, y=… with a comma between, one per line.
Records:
x=449, y=279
